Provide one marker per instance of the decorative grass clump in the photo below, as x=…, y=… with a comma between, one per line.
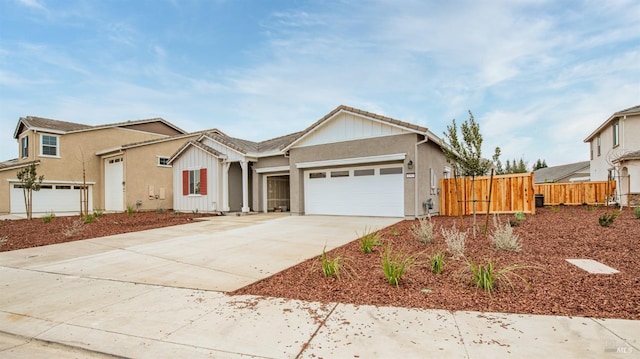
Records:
x=330, y=267
x=395, y=265
x=437, y=263
x=487, y=277
x=369, y=240
x=607, y=219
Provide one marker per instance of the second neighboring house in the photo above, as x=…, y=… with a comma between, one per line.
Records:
x=70, y=154
x=572, y=172
x=350, y=162
x=615, y=154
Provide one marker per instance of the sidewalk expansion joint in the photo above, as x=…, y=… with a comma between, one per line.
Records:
x=322, y=324
x=464, y=345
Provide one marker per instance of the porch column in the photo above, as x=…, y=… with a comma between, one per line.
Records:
x=225, y=186
x=245, y=186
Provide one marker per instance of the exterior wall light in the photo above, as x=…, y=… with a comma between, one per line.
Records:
x=410, y=164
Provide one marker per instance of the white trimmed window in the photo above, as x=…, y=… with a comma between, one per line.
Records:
x=49, y=145
x=616, y=133
x=24, y=147
x=163, y=161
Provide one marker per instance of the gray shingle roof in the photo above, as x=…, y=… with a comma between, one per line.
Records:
x=556, y=173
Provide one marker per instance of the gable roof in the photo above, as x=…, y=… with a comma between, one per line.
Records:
x=64, y=127
x=196, y=144
x=342, y=108
x=556, y=173
x=15, y=164
x=635, y=110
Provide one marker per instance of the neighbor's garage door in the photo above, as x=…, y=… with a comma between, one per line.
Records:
x=363, y=191
x=51, y=198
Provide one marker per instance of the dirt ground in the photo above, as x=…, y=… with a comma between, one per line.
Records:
x=547, y=283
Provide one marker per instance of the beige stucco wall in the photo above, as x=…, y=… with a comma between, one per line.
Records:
x=74, y=150
x=360, y=148
x=141, y=172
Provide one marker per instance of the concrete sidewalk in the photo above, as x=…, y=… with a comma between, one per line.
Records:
x=55, y=303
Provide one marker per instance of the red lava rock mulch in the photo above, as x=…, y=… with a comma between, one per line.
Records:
x=549, y=285
x=18, y=234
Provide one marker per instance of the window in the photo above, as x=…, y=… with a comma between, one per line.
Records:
x=598, y=143
x=339, y=173
x=63, y=187
x=391, y=171
x=163, y=161
x=194, y=182
x=49, y=145
x=317, y=175
x=24, y=147
x=367, y=172
x=616, y=133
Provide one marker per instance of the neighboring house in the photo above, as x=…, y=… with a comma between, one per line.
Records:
x=65, y=152
x=350, y=162
x=572, y=172
x=615, y=154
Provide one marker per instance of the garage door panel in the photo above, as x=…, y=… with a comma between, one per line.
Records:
x=368, y=195
x=49, y=199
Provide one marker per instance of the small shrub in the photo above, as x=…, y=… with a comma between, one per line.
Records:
x=503, y=237
x=455, y=241
x=89, y=218
x=130, y=209
x=48, y=218
x=487, y=277
x=176, y=212
x=330, y=267
x=76, y=227
x=159, y=210
x=423, y=231
x=395, y=232
x=395, y=265
x=3, y=240
x=97, y=213
x=636, y=212
x=195, y=211
x=437, y=263
x=555, y=209
x=369, y=240
x=607, y=219
x=520, y=216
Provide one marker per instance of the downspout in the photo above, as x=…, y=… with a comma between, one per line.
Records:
x=415, y=183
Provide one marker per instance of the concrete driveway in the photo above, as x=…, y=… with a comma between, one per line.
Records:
x=221, y=253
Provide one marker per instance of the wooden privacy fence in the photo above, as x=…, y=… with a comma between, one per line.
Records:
x=576, y=193
x=509, y=194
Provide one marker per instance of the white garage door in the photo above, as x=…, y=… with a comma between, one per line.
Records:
x=51, y=198
x=362, y=191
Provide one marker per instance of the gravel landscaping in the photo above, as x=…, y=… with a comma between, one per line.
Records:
x=545, y=284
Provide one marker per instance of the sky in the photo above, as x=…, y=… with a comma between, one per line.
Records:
x=539, y=76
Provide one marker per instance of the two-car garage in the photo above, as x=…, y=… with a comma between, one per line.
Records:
x=51, y=198
x=355, y=191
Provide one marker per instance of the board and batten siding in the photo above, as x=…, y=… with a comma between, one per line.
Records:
x=349, y=127
x=232, y=155
x=193, y=159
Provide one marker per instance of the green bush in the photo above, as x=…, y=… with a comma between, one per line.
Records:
x=369, y=240
x=48, y=218
x=97, y=213
x=130, y=209
x=607, y=219
x=89, y=218
x=636, y=212
x=395, y=265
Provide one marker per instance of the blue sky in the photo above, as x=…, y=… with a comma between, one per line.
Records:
x=538, y=75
